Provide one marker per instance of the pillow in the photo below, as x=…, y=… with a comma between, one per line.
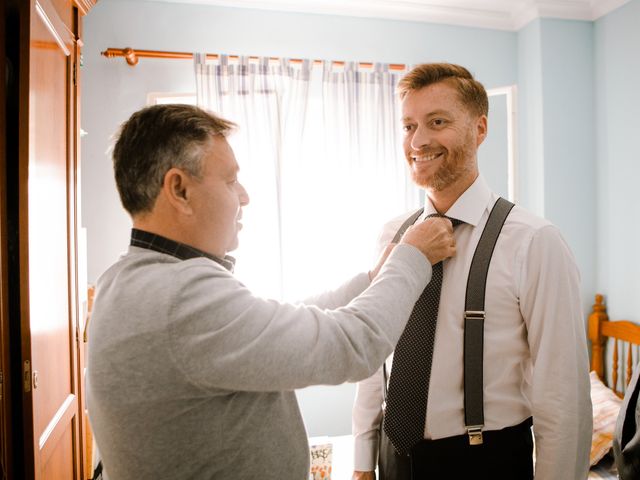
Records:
x=606, y=406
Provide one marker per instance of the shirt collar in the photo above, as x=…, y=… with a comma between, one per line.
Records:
x=469, y=206
x=158, y=243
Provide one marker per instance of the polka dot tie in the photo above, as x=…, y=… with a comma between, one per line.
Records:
x=406, y=402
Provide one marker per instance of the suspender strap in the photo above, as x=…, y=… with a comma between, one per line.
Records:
x=474, y=316
x=407, y=223
x=474, y=321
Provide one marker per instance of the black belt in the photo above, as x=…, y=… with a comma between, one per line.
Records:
x=462, y=441
x=504, y=454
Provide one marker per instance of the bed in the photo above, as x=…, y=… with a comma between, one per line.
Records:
x=615, y=347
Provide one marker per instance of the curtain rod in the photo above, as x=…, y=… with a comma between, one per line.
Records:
x=132, y=56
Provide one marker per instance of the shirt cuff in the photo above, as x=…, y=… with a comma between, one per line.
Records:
x=365, y=452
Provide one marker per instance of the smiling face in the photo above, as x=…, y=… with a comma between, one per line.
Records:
x=218, y=198
x=441, y=138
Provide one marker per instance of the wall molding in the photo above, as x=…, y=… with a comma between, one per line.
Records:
x=510, y=15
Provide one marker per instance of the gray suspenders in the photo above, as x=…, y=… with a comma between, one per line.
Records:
x=407, y=223
x=474, y=320
x=473, y=316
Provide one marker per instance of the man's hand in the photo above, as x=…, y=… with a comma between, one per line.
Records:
x=433, y=237
x=383, y=257
x=363, y=476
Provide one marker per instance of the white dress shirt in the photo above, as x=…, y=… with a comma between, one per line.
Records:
x=535, y=353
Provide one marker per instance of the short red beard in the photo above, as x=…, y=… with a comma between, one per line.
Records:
x=456, y=165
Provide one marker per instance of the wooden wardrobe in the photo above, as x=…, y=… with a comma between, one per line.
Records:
x=42, y=426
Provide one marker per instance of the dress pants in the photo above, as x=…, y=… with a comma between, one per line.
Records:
x=506, y=454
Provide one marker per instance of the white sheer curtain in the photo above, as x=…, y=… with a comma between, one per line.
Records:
x=268, y=102
x=320, y=155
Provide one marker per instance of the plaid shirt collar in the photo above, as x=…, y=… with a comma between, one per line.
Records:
x=158, y=243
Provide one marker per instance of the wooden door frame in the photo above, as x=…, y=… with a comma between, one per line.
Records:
x=86, y=465
x=5, y=391
x=16, y=17
x=28, y=452
x=73, y=224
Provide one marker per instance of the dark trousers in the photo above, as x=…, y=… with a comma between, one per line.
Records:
x=506, y=454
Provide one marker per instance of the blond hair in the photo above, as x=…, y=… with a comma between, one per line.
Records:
x=472, y=93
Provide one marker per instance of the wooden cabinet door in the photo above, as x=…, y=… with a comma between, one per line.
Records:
x=48, y=296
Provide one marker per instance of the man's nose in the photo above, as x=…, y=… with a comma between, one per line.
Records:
x=421, y=138
x=243, y=195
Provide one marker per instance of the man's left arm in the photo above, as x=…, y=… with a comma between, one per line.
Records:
x=352, y=288
x=551, y=306
x=341, y=295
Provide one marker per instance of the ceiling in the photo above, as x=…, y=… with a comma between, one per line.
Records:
x=497, y=14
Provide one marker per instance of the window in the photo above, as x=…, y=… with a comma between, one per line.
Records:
x=159, y=98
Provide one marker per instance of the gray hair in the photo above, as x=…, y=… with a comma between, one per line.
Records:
x=156, y=139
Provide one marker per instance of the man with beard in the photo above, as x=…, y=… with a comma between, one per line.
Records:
x=413, y=416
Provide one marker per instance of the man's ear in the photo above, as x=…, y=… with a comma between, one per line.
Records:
x=481, y=129
x=176, y=189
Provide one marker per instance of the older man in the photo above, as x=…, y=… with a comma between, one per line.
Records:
x=189, y=374
x=480, y=388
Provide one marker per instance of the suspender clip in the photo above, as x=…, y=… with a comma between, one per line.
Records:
x=474, y=314
x=475, y=434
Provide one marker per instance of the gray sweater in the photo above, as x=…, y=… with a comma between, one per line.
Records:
x=191, y=376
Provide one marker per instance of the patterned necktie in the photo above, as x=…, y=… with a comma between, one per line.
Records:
x=405, y=412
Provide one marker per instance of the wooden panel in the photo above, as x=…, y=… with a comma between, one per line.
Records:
x=60, y=465
x=50, y=242
x=84, y=5
x=59, y=29
x=81, y=309
x=622, y=329
x=64, y=11
x=48, y=273
x=58, y=424
x=86, y=433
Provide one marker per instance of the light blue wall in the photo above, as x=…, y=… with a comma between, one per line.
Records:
x=569, y=140
x=579, y=124
x=530, y=119
x=617, y=114
x=557, y=131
